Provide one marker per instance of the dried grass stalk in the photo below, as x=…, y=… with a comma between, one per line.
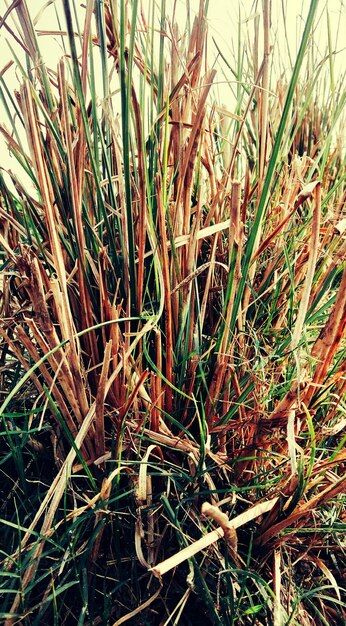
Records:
x=211, y=537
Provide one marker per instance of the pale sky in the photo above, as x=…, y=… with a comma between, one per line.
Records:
x=222, y=25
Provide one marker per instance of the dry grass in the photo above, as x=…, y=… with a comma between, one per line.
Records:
x=173, y=330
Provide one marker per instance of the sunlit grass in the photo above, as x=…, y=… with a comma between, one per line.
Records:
x=173, y=326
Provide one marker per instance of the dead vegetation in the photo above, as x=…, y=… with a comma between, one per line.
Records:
x=172, y=330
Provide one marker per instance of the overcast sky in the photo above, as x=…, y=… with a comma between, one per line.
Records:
x=222, y=23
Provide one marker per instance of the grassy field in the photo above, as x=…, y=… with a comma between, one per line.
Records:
x=173, y=322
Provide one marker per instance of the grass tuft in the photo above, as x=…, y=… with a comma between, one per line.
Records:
x=173, y=321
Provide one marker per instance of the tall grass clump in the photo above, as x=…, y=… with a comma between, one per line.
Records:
x=173, y=321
